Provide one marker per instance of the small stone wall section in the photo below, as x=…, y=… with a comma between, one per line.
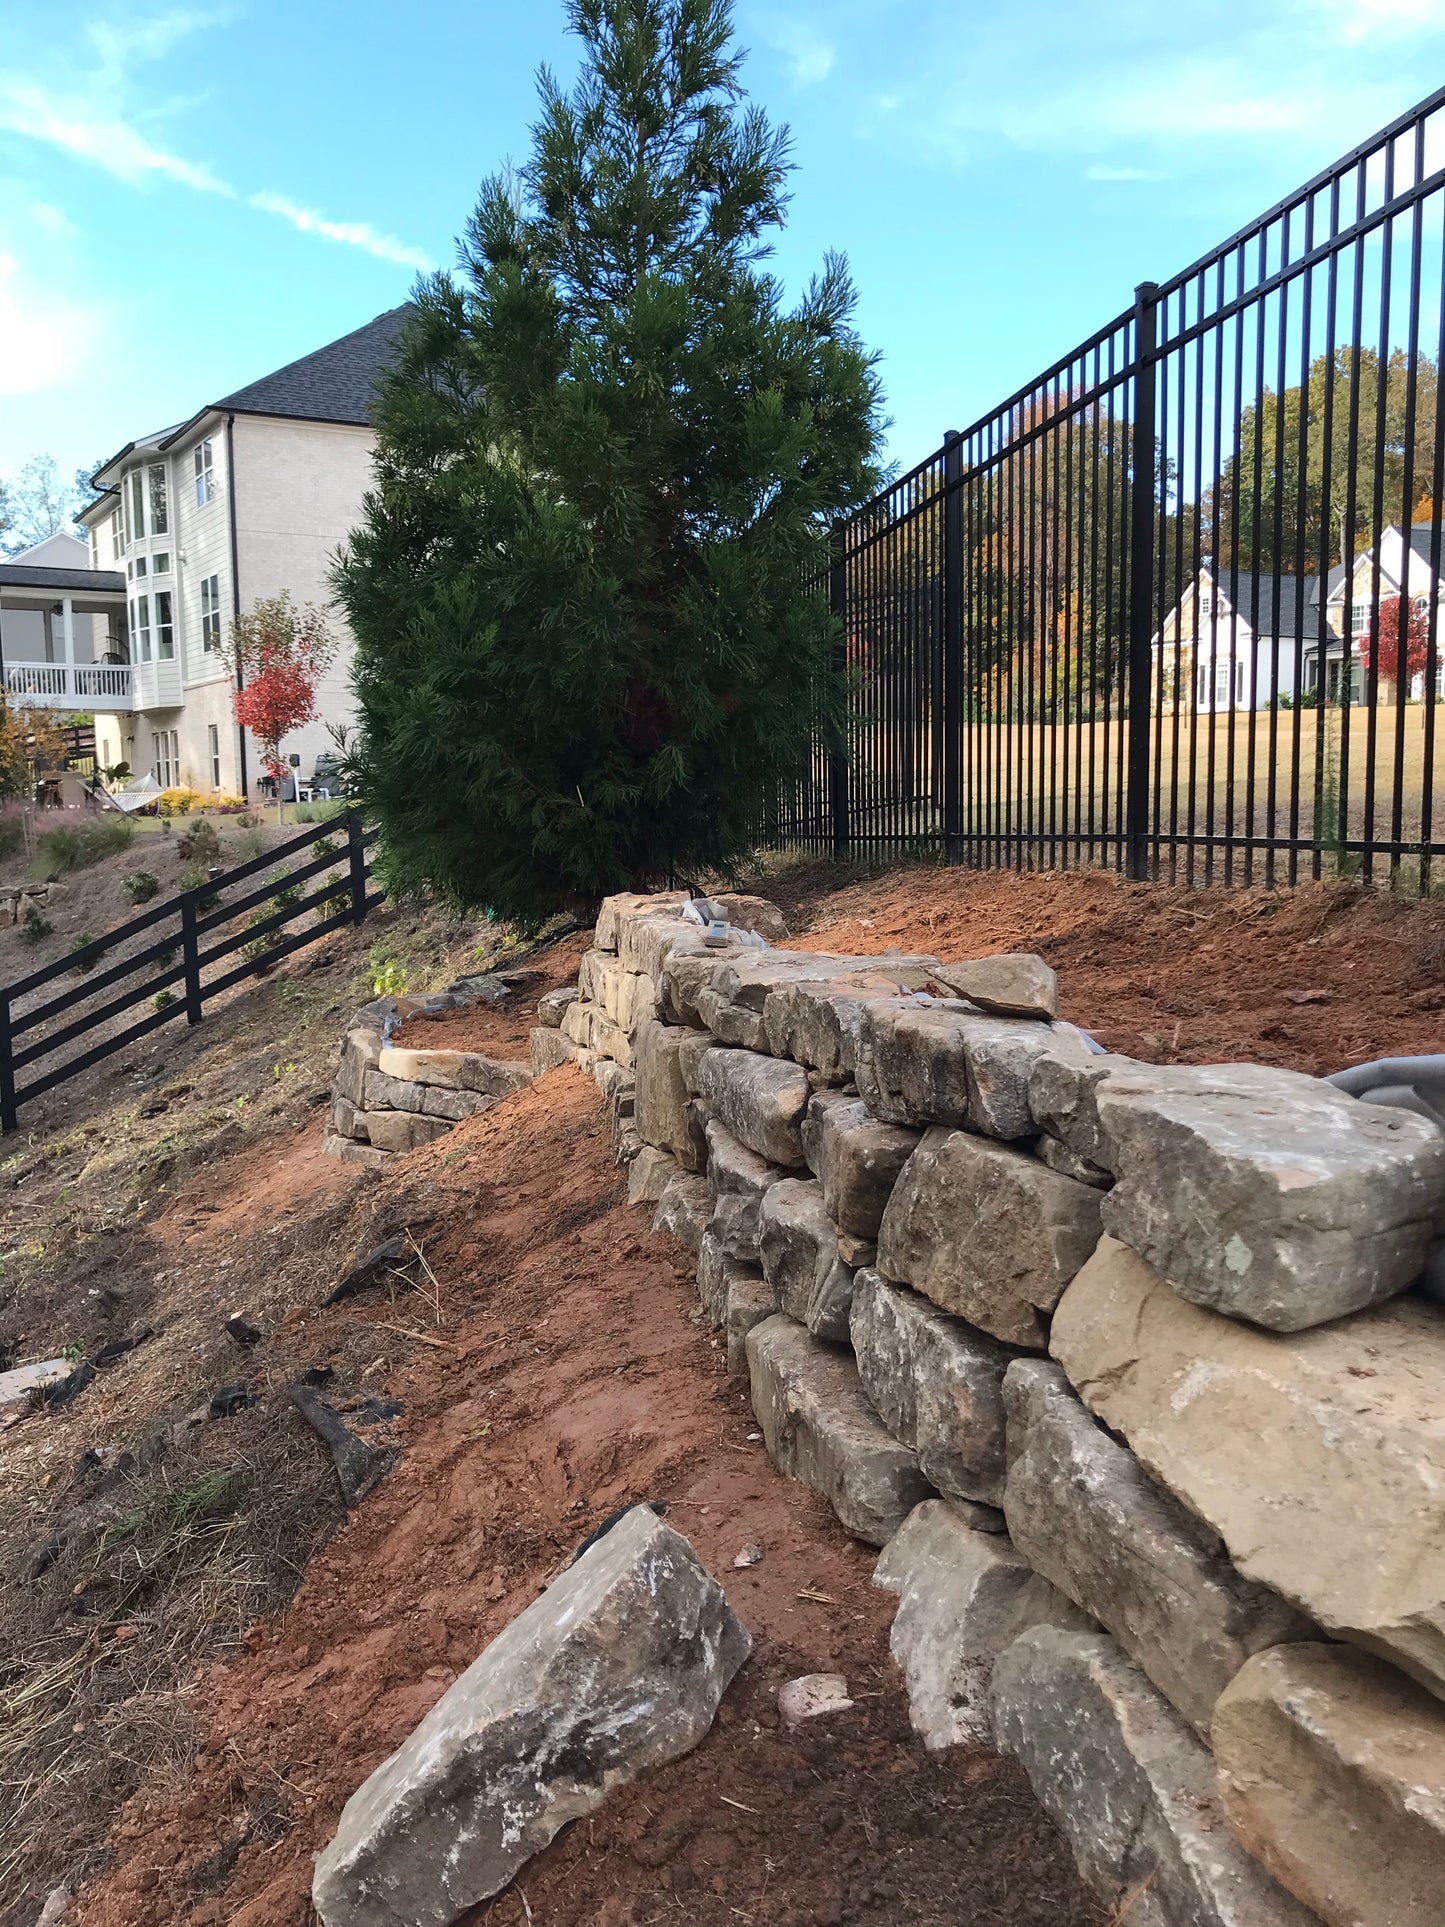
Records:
x=1119, y=1364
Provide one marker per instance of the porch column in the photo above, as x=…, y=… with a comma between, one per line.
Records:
x=67, y=642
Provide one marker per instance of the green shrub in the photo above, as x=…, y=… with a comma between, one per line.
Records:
x=193, y=879
x=79, y=943
x=12, y=837
x=202, y=843
x=34, y=926
x=77, y=847
x=321, y=809
x=388, y=977
x=163, y=999
x=141, y=885
x=250, y=843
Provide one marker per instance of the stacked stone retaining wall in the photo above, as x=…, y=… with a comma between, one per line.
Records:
x=1118, y=1364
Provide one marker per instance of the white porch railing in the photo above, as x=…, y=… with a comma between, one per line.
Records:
x=80, y=685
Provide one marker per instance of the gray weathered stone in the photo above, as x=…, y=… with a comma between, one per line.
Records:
x=552, y=1004
x=649, y=1174
x=798, y=1247
x=661, y=1094
x=1084, y=1512
x=1062, y=1102
x=644, y=944
x=963, y=1597
x=403, y=1130
x=454, y=1105
x=1276, y=1198
x=455, y=1070
x=616, y=909
x=353, y=1150
x=746, y=978
x=360, y=1053
x=735, y=1296
x=1319, y=1459
x=383, y=1093
x=550, y=1049
x=684, y=1209
x=819, y=1024
x=619, y=1666
x=1129, y=1786
x=733, y=1169
x=820, y=1428
x=855, y=1158
x=1332, y=1772
x=931, y=1064
x=987, y=1232
x=732, y=1024
x=689, y=1056
x=20, y=1388
x=346, y=1120
x=1015, y=984
x=936, y=1383
x=1059, y=1157
x=761, y=1101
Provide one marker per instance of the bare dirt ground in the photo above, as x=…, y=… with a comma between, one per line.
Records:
x=568, y=1374
x=196, y=1638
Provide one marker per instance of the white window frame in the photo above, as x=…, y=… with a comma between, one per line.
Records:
x=161, y=562
x=211, y=615
x=140, y=622
x=117, y=536
x=158, y=509
x=213, y=745
x=205, y=463
x=136, y=483
x=166, y=757
x=165, y=627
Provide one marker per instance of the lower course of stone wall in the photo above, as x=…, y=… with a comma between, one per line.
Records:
x=1119, y=1365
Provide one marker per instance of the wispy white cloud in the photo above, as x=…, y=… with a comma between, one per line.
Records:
x=46, y=335
x=85, y=120
x=355, y=234
x=808, y=48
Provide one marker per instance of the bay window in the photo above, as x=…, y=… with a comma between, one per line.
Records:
x=158, y=508
x=165, y=630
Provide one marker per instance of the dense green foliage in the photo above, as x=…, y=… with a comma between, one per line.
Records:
x=608, y=457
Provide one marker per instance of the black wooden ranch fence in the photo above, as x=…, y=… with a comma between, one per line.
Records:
x=1148, y=612
x=176, y=972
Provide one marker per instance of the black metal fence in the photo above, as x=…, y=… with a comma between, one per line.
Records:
x=1176, y=605
x=184, y=964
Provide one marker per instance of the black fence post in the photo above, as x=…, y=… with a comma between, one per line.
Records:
x=1140, y=632
x=9, y=1117
x=357, y=851
x=838, y=799
x=191, y=957
x=953, y=645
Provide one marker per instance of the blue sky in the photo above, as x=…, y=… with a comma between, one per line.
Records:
x=189, y=198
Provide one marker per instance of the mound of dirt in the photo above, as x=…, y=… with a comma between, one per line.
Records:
x=500, y=1030
x=559, y=1368
x=1312, y=979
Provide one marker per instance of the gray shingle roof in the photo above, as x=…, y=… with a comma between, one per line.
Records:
x=25, y=575
x=335, y=384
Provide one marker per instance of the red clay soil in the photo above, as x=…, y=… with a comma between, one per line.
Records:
x=500, y=1031
x=570, y=1374
x=1313, y=979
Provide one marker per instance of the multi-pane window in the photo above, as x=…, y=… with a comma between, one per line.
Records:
x=158, y=511
x=137, y=504
x=138, y=567
x=117, y=538
x=165, y=757
x=140, y=626
x=165, y=631
x=161, y=562
x=205, y=473
x=210, y=614
x=213, y=745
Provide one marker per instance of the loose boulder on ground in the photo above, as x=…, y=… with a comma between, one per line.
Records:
x=1129, y=1786
x=1319, y=1458
x=987, y=1232
x=619, y=1666
x=1084, y=1512
x=963, y=1597
x=1332, y=1770
x=820, y=1428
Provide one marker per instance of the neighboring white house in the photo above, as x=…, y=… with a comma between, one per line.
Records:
x=1238, y=640
x=62, y=627
x=250, y=496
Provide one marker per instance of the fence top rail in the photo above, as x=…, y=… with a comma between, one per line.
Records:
x=92, y=952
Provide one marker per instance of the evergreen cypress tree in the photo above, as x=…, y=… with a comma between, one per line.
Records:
x=608, y=457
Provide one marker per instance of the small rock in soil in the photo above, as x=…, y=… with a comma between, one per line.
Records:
x=813, y=1696
x=359, y=1467
x=69, y=1388
x=749, y=1556
x=227, y=1400
x=243, y=1333
x=369, y=1270
x=118, y=1347
x=318, y=1375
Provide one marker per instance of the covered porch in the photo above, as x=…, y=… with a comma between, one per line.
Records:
x=64, y=642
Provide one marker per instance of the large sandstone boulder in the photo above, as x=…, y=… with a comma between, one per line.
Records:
x=1085, y=1513
x=820, y=1429
x=360, y=1053
x=737, y=1179
x=616, y=910
x=735, y=1295
x=963, y=1597
x=1129, y=1786
x=684, y=1209
x=1014, y=984
x=761, y=1101
x=937, y=1064
x=1257, y=1192
x=936, y=1383
x=661, y=1096
x=855, y=1158
x=1319, y=1459
x=549, y=1049
x=819, y=1024
x=1332, y=1771
x=798, y=1247
x=987, y=1232
x=455, y=1070
x=619, y=1666
x=402, y=1130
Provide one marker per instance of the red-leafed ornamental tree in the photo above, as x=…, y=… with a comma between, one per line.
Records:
x=280, y=655
x=1399, y=622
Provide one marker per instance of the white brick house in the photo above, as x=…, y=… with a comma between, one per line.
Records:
x=250, y=496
